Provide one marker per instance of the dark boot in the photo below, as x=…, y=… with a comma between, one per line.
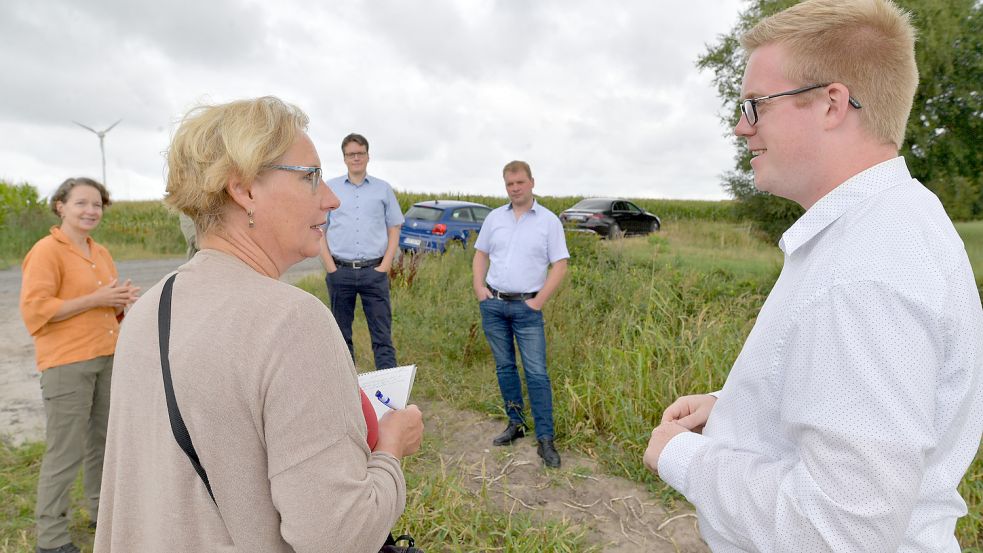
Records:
x=514, y=431
x=548, y=452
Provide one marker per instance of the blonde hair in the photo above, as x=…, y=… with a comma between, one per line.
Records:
x=517, y=166
x=213, y=143
x=867, y=45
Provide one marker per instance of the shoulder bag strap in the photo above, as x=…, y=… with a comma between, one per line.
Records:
x=173, y=413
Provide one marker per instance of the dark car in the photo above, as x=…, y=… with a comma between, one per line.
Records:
x=436, y=224
x=610, y=217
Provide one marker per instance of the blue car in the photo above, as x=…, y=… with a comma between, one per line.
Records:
x=436, y=224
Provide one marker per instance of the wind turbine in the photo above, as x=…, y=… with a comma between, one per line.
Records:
x=102, y=146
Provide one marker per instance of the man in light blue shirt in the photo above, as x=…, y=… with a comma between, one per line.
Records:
x=520, y=259
x=360, y=242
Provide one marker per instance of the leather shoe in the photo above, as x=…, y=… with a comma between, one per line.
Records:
x=514, y=431
x=548, y=452
x=67, y=548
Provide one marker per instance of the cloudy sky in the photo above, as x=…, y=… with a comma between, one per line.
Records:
x=600, y=97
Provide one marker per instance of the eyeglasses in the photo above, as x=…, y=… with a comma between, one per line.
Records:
x=356, y=155
x=749, y=107
x=313, y=174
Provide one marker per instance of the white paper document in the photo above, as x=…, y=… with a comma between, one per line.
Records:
x=394, y=384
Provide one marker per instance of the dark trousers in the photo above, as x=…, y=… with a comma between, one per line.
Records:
x=373, y=286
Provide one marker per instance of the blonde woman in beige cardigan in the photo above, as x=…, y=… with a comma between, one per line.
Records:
x=260, y=371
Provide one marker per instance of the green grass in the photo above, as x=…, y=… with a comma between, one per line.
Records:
x=440, y=509
x=19, y=468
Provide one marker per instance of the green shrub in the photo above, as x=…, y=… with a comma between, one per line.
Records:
x=24, y=219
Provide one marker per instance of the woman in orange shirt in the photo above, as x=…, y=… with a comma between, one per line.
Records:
x=72, y=303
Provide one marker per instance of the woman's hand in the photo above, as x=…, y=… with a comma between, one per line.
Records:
x=400, y=432
x=115, y=295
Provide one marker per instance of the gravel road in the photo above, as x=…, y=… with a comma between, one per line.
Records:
x=21, y=411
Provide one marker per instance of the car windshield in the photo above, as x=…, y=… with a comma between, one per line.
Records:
x=592, y=204
x=424, y=213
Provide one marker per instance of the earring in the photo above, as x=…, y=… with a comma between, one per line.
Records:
x=252, y=224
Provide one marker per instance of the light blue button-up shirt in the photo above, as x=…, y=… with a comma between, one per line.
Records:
x=357, y=230
x=521, y=251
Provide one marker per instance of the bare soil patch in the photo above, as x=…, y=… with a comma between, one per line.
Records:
x=621, y=515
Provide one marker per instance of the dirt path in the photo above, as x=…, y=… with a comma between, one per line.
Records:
x=621, y=515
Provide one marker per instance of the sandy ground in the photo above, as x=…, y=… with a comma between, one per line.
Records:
x=21, y=410
x=620, y=515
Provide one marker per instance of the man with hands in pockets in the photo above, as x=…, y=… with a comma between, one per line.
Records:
x=520, y=259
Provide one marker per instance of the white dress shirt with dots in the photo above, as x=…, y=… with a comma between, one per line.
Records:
x=856, y=404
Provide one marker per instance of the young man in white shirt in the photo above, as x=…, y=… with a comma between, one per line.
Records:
x=856, y=404
x=520, y=259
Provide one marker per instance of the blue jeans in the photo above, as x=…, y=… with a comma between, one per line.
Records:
x=347, y=283
x=503, y=322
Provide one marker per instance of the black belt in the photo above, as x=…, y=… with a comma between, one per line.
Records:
x=512, y=297
x=357, y=264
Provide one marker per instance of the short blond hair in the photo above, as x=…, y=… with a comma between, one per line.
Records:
x=216, y=142
x=517, y=166
x=868, y=45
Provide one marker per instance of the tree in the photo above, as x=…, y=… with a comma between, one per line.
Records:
x=941, y=143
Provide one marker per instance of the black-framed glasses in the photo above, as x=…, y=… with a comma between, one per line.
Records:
x=356, y=155
x=312, y=174
x=749, y=107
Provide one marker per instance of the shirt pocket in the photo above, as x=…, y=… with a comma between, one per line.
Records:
x=56, y=385
x=538, y=244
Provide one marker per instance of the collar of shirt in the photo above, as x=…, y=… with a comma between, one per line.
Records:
x=843, y=198
x=532, y=209
x=63, y=238
x=365, y=180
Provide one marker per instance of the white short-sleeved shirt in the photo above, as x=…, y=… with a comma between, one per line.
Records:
x=521, y=251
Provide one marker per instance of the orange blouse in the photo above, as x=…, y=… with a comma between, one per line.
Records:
x=54, y=271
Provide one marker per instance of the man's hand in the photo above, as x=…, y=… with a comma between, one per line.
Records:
x=383, y=267
x=690, y=412
x=536, y=304
x=660, y=437
x=482, y=293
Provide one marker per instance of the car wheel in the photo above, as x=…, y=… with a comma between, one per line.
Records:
x=655, y=227
x=615, y=232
